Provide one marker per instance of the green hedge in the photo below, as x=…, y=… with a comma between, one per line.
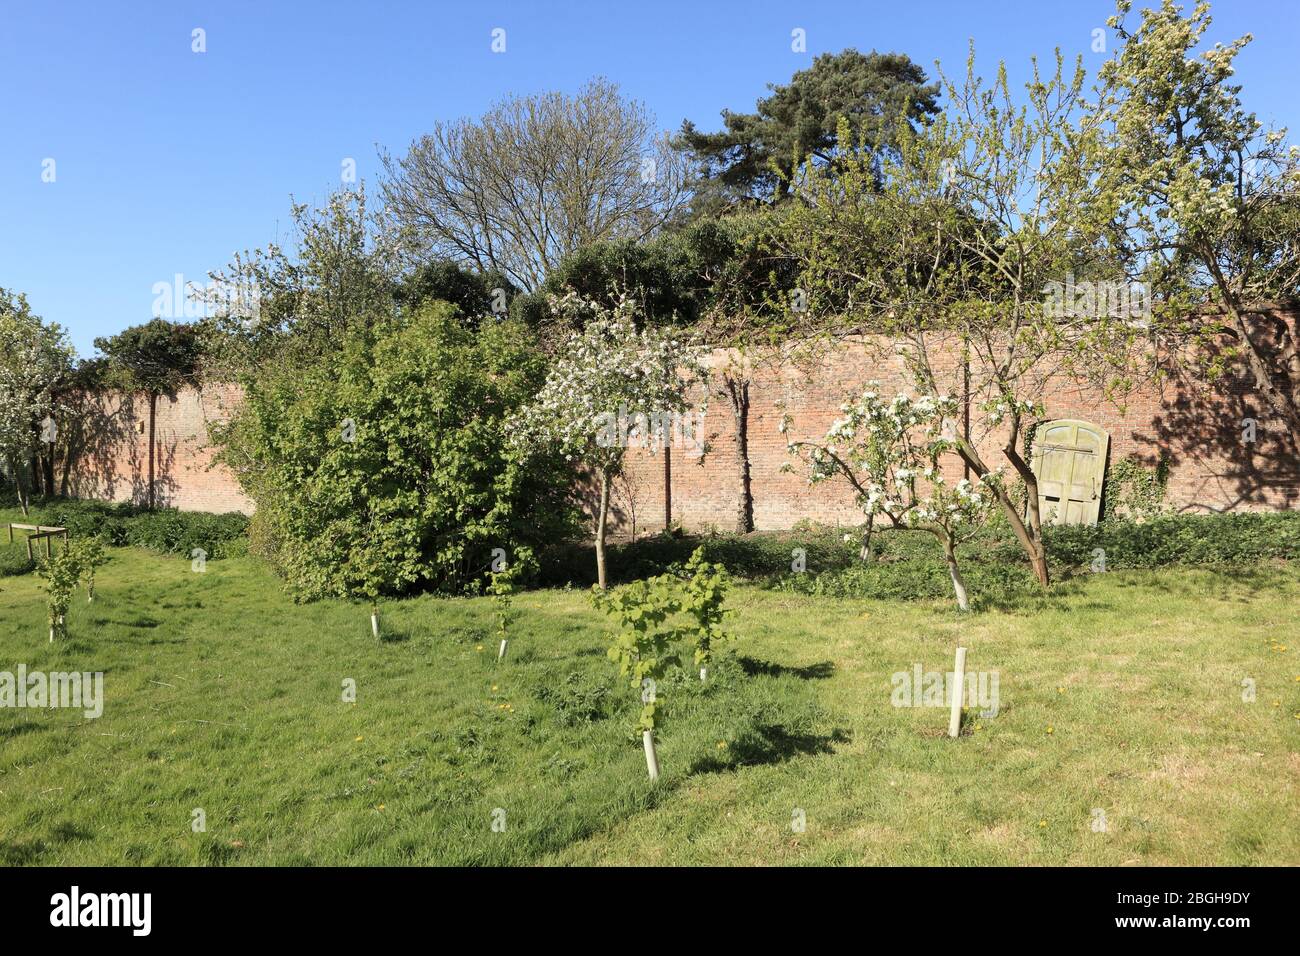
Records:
x=166, y=529
x=910, y=565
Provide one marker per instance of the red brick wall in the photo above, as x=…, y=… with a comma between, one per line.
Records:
x=1198, y=427
x=107, y=454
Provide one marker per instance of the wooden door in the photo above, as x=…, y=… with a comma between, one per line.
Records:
x=1070, y=462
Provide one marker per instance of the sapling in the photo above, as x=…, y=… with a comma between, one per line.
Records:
x=616, y=363
x=61, y=572
x=703, y=594
x=503, y=587
x=92, y=556
x=643, y=648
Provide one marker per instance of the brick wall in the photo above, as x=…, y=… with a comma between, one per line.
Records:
x=1197, y=427
x=107, y=453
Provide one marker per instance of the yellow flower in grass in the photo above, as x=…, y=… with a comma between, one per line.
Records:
x=359, y=739
x=494, y=686
x=1051, y=730
x=1042, y=823
x=722, y=745
x=479, y=648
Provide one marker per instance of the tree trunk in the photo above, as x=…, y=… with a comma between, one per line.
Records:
x=153, y=407
x=602, y=519
x=738, y=395
x=668, y=487
x=48, y=465
x=958, y=585
x=864, y=553
x=1031, y=542
x=34, y=467
x=18, y=484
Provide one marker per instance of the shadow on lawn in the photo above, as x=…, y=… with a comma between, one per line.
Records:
x=753, y=667
x=28, y=852
x=17, y=730
x=769, y=744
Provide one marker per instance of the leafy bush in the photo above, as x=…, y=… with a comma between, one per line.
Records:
x=165, y=530
x=910, y=566
x=384, y=468
x=1180, y=539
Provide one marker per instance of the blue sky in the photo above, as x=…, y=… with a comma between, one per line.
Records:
x=166, y=160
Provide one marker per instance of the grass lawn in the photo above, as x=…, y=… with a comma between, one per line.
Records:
x=222, y=694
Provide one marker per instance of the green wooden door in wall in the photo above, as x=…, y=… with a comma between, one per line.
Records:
x=1070, y=462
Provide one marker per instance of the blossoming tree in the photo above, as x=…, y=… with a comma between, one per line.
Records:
x=610, y=371
x=890, y=452
x=35, y=360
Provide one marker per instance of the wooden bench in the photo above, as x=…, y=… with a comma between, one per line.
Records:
x=37, y=531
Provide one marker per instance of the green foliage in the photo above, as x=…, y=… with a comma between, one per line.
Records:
x=643, y=648
x=756, y=155
x=61, y=574
x=504, y=584
x=275, y=306
x=90, y=554
x=702, y=596
x=473, y=293
x=1134, y=491
x=386, y=468
x=646, y=646
x=35, y=364
x=911, y=567
x=165, y=530
x=157, y=357
x=1224, y=539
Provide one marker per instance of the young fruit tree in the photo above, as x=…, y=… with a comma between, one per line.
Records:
x=91, y=551
x=703, y=593
x=61, y=573
x=891, y=453
x=643, y=647
x=945, y=251
x=612, y=385
x=503, y=586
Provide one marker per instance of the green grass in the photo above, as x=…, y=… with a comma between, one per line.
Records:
x=222, y=694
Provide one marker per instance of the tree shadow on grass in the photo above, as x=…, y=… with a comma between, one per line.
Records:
x=753, y=667
x=16, y=730
x=769, y=744
x=390, y=634
x=28, y=852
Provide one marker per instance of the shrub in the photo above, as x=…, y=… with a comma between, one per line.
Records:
x=165, y=530
x=906, y=567
x=385, y=467
x=1181, y=539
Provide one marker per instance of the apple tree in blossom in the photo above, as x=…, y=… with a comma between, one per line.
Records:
x=890, y=452
x=613, y=384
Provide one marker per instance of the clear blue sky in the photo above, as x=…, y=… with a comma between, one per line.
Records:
x=166, y=161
